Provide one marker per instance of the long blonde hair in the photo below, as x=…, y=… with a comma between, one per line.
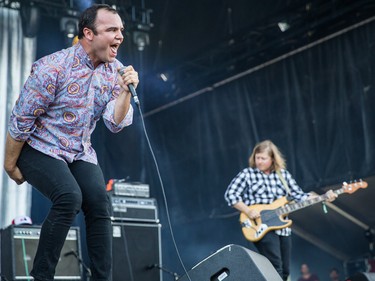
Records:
x=278, y=160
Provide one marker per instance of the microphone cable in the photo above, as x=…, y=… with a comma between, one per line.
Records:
x=162, y=189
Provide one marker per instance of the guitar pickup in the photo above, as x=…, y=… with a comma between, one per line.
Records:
x=246, y=223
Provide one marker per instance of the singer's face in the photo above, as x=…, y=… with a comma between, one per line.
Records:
x=108, y=37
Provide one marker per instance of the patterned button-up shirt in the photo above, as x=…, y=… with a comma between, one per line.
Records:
x=61, y=102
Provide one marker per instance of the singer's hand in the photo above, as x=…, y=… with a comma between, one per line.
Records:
x=15, y=174
x=128, y=76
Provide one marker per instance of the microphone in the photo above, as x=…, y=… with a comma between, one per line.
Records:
x=130, y=86
x=151, y=266
x=158, y=266
x=75, y=254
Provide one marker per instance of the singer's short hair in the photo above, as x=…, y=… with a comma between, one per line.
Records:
x=88, y=17
x=278, y=160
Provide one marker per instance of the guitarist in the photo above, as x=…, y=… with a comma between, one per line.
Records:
x=261, y=184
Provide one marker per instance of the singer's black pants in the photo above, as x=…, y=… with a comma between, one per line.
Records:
x=70, y=187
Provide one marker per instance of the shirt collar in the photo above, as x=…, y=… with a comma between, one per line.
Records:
x=259, y=171
x=84, y=58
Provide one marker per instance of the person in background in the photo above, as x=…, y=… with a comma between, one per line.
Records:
x=306, y=275
x=49, y=138
x=262, y=183
x=334, y=275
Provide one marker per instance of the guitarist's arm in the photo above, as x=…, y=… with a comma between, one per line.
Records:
x=243, y=208
x=331, y=196
x=299, y=195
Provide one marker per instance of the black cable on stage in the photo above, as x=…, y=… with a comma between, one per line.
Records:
x=3, y=277
x=161, y=182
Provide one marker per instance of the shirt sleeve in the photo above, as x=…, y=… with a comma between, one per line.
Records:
x=109, y=119
x=108, y=114
x=296, y=192
x=236, y=188
x=36, y=95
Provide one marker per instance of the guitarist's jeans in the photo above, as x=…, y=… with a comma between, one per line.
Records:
x=277, y=249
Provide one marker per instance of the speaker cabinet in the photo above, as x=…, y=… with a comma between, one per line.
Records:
x=359, y=265
x=362, y=276
x=233, y=263
x=18, y=248
x=136, y=252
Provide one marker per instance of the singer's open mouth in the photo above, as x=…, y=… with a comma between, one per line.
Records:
x=114, y=48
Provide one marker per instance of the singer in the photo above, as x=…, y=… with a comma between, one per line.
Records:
x=48, y=141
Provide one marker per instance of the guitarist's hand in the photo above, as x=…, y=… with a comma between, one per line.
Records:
x=243, y=208
x=331, y=196
x=253, y=214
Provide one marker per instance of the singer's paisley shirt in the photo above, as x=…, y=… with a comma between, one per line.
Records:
x=62, y=100
x=252, y=186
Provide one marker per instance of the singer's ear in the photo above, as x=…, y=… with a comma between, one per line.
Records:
x=88, y=33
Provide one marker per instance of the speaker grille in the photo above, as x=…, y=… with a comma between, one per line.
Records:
x=136, y=251
x=19, y=245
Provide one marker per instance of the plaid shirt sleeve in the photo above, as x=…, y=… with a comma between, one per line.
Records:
x=295, y=191
x=236, y=188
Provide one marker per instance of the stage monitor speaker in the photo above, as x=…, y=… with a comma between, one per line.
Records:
x=136, y=251
x=233, y=263
x=362, y=276
x=18, y=249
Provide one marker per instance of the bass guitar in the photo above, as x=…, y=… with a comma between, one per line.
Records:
x=272, y=216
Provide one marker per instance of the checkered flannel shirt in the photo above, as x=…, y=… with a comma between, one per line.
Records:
x=252, y=186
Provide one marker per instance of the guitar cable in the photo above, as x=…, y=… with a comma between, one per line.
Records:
x=24, y=254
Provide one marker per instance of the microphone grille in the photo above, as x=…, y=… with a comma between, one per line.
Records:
x=121, y=70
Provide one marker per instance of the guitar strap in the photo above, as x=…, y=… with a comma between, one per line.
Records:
x=284, y=182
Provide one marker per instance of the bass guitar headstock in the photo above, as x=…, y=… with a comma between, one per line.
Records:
x=354, y=186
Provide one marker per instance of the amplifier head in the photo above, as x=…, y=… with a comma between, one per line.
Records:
x=134, y=209
x=131, y=189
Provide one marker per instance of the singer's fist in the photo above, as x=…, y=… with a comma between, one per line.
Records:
x=128, y=76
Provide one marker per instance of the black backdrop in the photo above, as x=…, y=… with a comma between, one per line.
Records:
x=317, y=106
